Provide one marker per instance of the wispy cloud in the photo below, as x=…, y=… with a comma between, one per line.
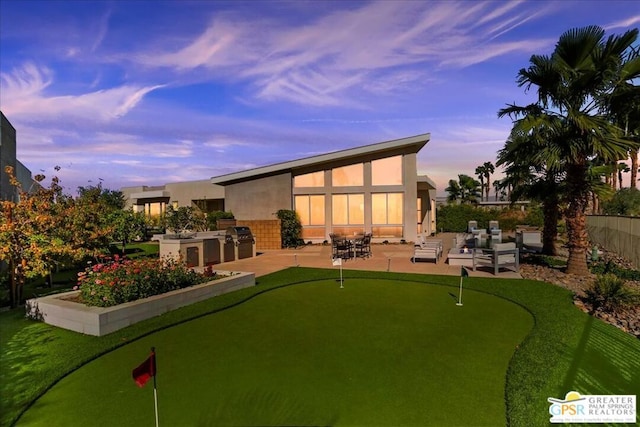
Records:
x=24, y=94
x=624, y=23
x=319, y=62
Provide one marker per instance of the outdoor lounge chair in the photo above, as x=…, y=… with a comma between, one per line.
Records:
x=529, y=241
x=502, y=255
x=427, y=249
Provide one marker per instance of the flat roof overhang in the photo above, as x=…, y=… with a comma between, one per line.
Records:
x=158, y=194
x=414, y=143
x=425, y=183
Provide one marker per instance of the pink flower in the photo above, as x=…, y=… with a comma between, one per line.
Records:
x=75, y=288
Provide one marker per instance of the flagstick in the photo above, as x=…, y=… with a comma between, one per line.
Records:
x=155, y=398
x=155, y=389
x=341, y=281
x=459, y=303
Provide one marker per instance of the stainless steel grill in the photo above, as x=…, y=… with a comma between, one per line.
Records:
x=243, y=240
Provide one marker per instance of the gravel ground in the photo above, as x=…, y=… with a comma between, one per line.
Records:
x=628, y=320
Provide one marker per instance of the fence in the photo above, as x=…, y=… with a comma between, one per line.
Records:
x=620, y=234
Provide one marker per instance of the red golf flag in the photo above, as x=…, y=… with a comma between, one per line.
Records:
x=145, y=371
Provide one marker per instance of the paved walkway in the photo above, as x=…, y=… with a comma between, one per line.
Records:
x=391, y=257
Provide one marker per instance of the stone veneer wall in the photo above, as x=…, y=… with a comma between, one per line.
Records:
x=265, y=231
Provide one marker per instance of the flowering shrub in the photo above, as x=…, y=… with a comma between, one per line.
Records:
x=121, y=280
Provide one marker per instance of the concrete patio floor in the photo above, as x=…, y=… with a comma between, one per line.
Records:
x=389, y=257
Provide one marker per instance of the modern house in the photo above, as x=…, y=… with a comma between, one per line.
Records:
x=374, y=188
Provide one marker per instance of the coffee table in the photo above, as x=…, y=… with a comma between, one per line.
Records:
x=454, y=257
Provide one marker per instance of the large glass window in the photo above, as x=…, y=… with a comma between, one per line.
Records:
x=314, y=179
x=348, y=176
x=310, y=209
x=387, y=214
x=386, y=208
x=155, y=209
x=348, y=209
x=387, y=171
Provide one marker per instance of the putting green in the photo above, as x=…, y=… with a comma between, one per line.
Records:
x=377, y=352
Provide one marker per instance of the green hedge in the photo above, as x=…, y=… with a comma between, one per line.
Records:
x=455, y=218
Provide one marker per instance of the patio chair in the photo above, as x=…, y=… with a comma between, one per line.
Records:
x=362, y=245
x=473, y=225
x=496, y=236
x=341, y=247
x=493, y=225
x=529, y=240
x=502, y=255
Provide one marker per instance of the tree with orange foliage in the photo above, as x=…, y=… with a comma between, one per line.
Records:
x=43, y=227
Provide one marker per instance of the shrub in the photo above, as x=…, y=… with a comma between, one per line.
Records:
x=610, y=267
x=290, y=228
x=625, y=202
x=213, y=217
x=609, y=294
x=120, y=280
x=455, y=218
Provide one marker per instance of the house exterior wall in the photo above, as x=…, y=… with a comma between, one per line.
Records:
x=410, y=190
x=184, y=192
x=260, y=198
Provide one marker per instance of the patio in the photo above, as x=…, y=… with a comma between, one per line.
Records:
x=389, y=257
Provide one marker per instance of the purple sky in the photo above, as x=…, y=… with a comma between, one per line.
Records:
x=150, y=92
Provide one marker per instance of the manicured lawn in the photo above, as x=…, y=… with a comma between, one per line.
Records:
x=565, y=350
x=376, y=352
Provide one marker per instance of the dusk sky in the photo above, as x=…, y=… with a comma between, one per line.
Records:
x=151, y=92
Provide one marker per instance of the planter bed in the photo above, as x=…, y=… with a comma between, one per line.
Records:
x=59, y=310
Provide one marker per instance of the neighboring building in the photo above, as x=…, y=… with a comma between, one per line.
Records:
x=7, y=158
x=154, y=200
x=373, y=188
x=8, y=150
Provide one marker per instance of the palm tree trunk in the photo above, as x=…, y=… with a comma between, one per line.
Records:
x=551, y=213
x=634, y=168
x=578, y=240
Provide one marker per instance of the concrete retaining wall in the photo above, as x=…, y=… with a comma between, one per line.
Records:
x=98, y=321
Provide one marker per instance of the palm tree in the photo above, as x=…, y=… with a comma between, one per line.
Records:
x=471, y=189
x=623, y=104
x=454, y=190
x=488, y=170
x=498, y=188
x=465, y=190
x=537, y=174
x=481, y=174
x=582, y=69
x=622, y=167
